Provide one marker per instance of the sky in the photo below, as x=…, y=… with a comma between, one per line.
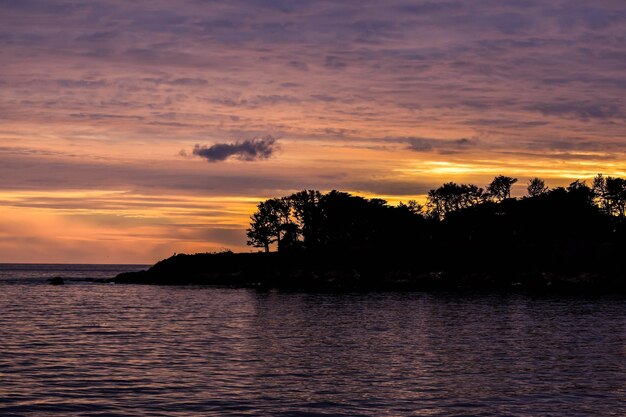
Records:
x=132, y=130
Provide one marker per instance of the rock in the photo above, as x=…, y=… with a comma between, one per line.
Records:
x=56, y=281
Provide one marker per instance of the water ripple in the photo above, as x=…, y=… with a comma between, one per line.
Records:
x=105, y=350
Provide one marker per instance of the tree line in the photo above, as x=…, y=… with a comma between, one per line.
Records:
x=310, y=219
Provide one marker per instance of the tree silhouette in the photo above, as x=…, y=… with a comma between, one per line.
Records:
x=289, y=239
x=310, y=220
x=600, y=194
x=610, y=194
x=452, y=197
x=264, y=226
x=581, y=191
x=536, y=187
x=616, y=195
x=306, y=208
x=412, y=207
x=269, y=223
x=313, y=222
x=500, y=187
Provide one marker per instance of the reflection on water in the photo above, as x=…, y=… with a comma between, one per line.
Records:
x=142, y=350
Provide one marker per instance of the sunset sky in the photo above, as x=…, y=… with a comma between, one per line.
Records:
x=131, y=130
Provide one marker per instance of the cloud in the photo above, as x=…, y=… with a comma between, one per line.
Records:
x=81, y=83
x=302, y=66
x=420, y=145
x=334, y=62
x=103, y=116
x=274, y=99
x=189, y=82
x=440, y=145
x=247, y=150
x=583, y=111
x=100, y=36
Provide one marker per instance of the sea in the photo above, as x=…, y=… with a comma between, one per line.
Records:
x=96, y=349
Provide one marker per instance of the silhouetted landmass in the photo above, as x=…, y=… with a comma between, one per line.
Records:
x=466, y=237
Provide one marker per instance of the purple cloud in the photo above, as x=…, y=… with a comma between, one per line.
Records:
x=247, y=150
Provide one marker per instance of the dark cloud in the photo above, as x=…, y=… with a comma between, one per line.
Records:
x=463, y=143
x=334, y=62
x=228, y=102
x=420, y=145
x=247, y=150
x=159, y=20
x=507, y=124
x=584, y=111
x=82, y=83
x=430, y=7
x=375, y=31
x=562, y=156
x=16, y=150
x=341, y=132
x=104, y=116
x=574, y=144
x=513, y=23
x=302, y=66
x=189, y=82
x=256, y=101
x=41, y=6
x=324, y=97
x=100, y=36
x=290, y=85
x=284, y=6
x=273, y=99
x=439, y=145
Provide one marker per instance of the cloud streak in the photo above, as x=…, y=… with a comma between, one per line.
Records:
x=439, y=145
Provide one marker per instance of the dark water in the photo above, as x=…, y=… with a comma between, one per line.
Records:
x=99, y=349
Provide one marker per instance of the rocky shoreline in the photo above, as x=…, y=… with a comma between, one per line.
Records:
x=263, y=271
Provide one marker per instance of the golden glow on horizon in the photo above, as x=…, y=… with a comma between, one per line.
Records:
x=129, y=226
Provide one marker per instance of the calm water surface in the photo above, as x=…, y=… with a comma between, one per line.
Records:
x=99, y=349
